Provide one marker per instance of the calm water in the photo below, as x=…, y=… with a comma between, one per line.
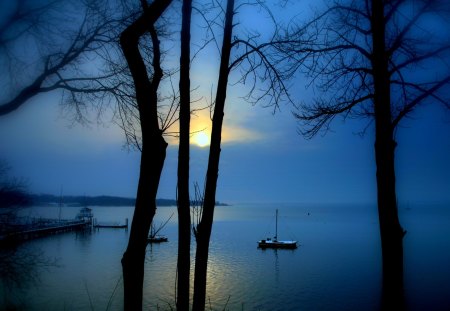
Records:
x=336, y=267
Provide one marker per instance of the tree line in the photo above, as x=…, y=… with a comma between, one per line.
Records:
x=374, y=60
x=47, y=199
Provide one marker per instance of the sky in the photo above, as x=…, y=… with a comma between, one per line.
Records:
x=263, y=158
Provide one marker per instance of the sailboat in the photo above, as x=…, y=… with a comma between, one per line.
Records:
x=154, y=237
x=274, y=242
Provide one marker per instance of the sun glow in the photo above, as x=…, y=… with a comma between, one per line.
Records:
x=201, y=139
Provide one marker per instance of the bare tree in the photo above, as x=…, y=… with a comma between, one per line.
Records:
x=61, y=40
x=13, y=197
x=257, y=68
x=183, y=200
x=204, y=227
x=378, y=60
x=20, y=264
x=153, y=148
x=133, y=86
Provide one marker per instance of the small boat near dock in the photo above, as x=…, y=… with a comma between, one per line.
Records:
x=157, y=239
x=154, y=237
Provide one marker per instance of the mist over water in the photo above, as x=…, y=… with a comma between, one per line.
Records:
x=336, y=267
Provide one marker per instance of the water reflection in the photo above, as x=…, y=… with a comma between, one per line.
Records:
x=21, y=266
x=276, y=260
x=337, y=266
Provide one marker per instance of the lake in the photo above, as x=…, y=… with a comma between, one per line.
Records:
x=336, y=267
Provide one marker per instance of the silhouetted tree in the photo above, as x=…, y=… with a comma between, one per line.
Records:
x=62, y=65
x=183, y=201
x=373, y=59
x=20, y=264
x=252, y=58
x=13, y=197
x=133, y=86
x=204, y=227
x=60, y=39
x=153, y=146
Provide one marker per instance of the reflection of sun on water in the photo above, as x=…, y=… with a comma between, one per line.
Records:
x=201, y=139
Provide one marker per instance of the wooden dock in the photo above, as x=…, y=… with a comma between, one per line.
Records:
x=31, y=232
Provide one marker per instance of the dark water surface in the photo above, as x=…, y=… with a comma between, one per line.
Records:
x=336, y=267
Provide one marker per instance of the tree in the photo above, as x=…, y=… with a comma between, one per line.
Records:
x=204, y=227
x=13, y=197
x=62, y=66
x=133, y=87
x=153, y=147
x=256, y=67
x=183, y=201
x=372, y=59
x=59, y=45
x=19, y=263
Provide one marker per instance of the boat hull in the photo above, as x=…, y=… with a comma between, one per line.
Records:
x=277, y=244
x=157, y=240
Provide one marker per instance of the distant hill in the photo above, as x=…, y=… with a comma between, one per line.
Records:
x=49, y=199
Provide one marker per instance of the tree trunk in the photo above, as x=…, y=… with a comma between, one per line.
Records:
x=152, y=160
x=205, y=225
x=134, y=256
x=391, y=231
x=184, y=217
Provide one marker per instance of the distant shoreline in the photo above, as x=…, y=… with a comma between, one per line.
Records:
x=103, y=200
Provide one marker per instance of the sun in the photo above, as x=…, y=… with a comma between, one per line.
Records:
x=201, y=139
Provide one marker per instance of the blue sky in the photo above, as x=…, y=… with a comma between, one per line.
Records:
x=263, y=157
x=280, y=166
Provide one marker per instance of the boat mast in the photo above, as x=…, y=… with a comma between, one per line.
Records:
x=60, y=203
x=276, y=226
